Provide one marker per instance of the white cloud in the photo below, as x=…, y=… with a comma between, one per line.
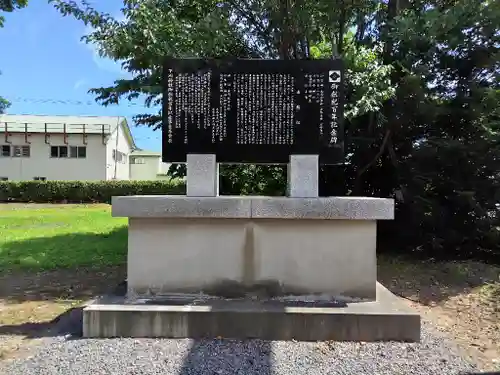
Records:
x=79, y=84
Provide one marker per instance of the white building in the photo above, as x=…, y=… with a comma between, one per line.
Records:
x=147, y=165
x=64, y=148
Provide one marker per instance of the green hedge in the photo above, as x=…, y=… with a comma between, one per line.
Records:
x=83, y=191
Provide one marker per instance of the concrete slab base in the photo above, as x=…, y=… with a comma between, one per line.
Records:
x=382, y=320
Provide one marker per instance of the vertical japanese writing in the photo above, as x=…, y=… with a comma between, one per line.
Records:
x=170, y=105
x=334, y=102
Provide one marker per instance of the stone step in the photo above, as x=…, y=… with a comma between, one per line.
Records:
x=381, y=320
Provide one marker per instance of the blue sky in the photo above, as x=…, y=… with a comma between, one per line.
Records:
x=47, y=70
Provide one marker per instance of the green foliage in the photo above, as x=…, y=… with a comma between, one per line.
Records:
x=445, y=208
x=10, y=6
x=367, y=78
x=4, y=104
x=448, y=67
x=82, y=191
x=267, y=180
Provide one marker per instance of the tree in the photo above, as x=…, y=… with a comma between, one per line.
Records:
x=451, y=175
x=156, y=28
x=10, y=6
x=4, y=104
x=422, y=111
x=231, y=28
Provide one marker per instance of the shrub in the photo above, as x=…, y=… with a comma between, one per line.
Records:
x=83, y=191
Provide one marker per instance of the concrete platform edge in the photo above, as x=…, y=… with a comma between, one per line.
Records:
x=253, y=207
x=384, y=320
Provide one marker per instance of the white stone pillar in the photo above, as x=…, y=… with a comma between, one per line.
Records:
x=202, y=175
x=303, y=176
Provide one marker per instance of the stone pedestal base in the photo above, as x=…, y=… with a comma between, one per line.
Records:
x=193, y=260
x=281, y=245
x=387, y=319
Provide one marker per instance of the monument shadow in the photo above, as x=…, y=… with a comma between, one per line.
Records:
x=250, y=357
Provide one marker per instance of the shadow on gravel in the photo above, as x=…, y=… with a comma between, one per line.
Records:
x=68, y=323
x=251, y=357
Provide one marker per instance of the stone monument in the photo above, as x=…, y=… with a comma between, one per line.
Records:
x=296, y=267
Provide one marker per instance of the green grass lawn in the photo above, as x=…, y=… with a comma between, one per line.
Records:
x=60, y=236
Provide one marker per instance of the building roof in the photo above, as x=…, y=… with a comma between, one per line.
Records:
x=145, y=153
x=68, y=124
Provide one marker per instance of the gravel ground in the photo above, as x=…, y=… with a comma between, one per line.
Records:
x=65, y=356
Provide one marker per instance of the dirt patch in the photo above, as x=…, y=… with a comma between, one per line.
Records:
x=32, y=304
x=461, y=299
x=70, y=284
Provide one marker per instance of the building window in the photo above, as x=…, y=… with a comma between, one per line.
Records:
x=119, y=156
x=4, y=179
x=59, y=151
x=40, y=178
x=63, y=151
x=5, y=151
x=21, y=151
x=82, y=152
x=79, y=152
x=137, y=161
x=74, y=152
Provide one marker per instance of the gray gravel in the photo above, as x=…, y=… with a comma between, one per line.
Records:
x=216, y=357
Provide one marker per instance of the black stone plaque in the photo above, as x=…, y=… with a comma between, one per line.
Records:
x=253, y=111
